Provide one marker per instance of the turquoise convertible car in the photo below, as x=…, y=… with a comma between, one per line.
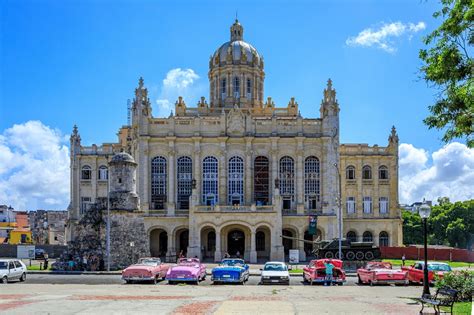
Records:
x=231, y=270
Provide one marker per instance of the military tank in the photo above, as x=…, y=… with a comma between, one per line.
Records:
x=352, y=251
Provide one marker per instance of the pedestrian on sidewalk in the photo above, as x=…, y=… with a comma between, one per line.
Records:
x=403, y=260
x=329, y=268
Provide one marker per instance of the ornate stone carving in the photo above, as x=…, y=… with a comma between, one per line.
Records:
x=236, y=121
x=270, y=103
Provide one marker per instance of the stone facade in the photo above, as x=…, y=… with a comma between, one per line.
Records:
x=235, y=173
x=48, y=226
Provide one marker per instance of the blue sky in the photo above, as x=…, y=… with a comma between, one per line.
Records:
x=77, y=62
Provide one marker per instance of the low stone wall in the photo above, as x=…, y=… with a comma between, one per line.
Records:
x=54, y=251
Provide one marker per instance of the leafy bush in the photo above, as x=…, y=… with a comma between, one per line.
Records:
x=460, y=280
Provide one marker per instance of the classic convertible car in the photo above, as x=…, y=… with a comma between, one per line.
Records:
x=275, y=272
x=376, y=272
x=415, y=272
x=231, y=270
x=147, y=269
x=187, y=270
x=315, y=272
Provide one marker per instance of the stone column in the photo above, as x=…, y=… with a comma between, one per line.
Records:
x=301, y=244
x=171, y=253
x=274, y=170
x=299, y=180
x=143, y=173
x=197, y=164
x=171, y=177
x=218, y=252
x=222, y=180
x=253, y=247
x=277, y=251
x=248, y=173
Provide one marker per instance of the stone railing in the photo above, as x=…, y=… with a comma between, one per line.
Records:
x=241, y=208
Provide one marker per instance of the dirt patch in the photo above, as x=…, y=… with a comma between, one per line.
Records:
x=198, y=308
x=126, y=297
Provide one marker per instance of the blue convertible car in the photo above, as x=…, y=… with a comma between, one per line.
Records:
x=231, y=270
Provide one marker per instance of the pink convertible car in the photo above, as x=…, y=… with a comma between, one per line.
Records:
x=187, y=270
x=147, y=269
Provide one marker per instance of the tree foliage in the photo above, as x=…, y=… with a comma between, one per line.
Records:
x=449, y=224
x=448, y=65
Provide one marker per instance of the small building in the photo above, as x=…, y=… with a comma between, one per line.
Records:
x=48, y=226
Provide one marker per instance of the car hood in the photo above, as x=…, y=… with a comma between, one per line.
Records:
x=228, y=268
x=139, y=267
x=272, y=273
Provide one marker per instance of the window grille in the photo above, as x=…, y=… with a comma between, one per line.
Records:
x=367, y=237
x=236, y=87
x=103, y=173
x=383, y=172
x=184, y=179
x=366, y=172
x=311, y=182
x=350, y=172
x=383, y=238
x=158, y=182
x=86, y=173
x=224, y=88
x=287, y=177
x=350, y=205
x=367, y=204
x=261, y=179
x=236, y=181
x=249, y=88
x=85, y=204
x=210, y=179
x=383, y=205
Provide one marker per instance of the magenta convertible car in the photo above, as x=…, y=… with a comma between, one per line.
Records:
x=187, y=270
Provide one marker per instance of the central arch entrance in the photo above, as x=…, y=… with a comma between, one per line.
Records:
x=236, y=242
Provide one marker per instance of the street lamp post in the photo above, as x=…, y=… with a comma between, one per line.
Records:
x=339, y=204
x=425, y=210
x=107, y=231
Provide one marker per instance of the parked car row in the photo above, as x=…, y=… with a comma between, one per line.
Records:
x=234, y=270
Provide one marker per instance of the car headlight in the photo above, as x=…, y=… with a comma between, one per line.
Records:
x=265, y=277
x=284, y=277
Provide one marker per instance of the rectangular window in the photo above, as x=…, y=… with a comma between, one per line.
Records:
x=85, y=204
x=383, y=205
x=367, y=204
x=350, y=204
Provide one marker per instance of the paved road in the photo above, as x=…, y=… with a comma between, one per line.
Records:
x=116, y=279
x=29, y=298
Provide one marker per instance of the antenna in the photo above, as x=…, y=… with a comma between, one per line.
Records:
x=236, y=15
x=129, y=109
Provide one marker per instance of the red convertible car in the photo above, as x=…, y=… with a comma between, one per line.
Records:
x=315, y=272
x=147, y=269
x=415, y=272
x=376, y=272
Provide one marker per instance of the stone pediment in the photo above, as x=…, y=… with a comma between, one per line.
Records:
x=236, y=122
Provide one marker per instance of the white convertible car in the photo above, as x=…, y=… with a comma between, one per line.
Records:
x=275, y=272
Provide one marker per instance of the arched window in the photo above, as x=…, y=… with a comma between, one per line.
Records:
x=224, y=88
x=287, y=181
x=184, y=179
x=311, y=182
x=383, y=172
x=383, y=238
x=351, y=236
x=236, y=181
x=261, y=184
x=103, y=173
x=210, y=173
x=158, y=182
x=366, y=172
x=86, y=173
x=260, y=241
x=236, y=87
x=249, y=88
x=350, y=172
x=367, y=237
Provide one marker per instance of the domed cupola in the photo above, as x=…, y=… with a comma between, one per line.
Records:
x=236, y=73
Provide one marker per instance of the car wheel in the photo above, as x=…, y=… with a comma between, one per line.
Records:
x=23, y=277
x=5, y=279
x=304, y=279
x=359, y=281
x=127, y=281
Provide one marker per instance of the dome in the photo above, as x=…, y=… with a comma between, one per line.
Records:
x=122, y=157
x=241, y=51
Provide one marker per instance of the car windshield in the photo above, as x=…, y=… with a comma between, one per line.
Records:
x=188, y=262
x=439, y=267
x=233, y=262
x=149, y=262
x=3, y=265
x=379, y=265
x=274, y=267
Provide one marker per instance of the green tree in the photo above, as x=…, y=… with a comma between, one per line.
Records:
x=456, y=233
x=412, y=228
x=449, y=67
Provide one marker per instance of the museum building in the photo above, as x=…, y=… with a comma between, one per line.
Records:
x=236, y=172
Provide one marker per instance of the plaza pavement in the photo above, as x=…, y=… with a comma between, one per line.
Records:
x=26, y=298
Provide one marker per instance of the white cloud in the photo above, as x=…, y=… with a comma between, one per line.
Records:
x=34, y=167
x=450, y=173
x=383, y=36
x=178, y=82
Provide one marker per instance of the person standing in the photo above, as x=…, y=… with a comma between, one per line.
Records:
x=329, y=268
x=403, y=260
